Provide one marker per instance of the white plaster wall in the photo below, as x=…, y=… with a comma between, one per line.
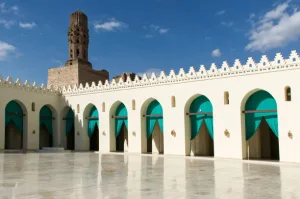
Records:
x=25, y=97
x=225, y=116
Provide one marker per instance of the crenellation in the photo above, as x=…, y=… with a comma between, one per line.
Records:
x=181, y=74
x=202, y=71
x=172, y=75
x=264, y=65
x=8, y=80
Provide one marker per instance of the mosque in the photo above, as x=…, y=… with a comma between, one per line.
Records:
x=243, y=111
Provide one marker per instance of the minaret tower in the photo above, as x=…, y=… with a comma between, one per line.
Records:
x=78, y=70
x=78, y=38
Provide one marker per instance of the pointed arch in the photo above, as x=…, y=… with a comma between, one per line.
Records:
x=260, y=125
x=199, y=125
x=263, y=102
x=152, y=124
x=154, y=114
x=46, y=127
x=119, y=139
x=121, y=112
x=15, y=125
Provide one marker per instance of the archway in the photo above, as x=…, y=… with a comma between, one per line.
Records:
x=201, y=127
x=14, y=125
x=154, y=127
x=46, y=127
x=121, y=128
x=70, y=129
x=261, y=126
x=93, y=129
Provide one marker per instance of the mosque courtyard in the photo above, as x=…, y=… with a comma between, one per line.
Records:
x=93, y=175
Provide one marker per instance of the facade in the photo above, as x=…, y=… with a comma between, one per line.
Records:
x=244, y=111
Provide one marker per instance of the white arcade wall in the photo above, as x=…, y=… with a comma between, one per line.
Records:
x=174, y=92
x=240, y=81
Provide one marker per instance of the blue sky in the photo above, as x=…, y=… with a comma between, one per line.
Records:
x=145, y=35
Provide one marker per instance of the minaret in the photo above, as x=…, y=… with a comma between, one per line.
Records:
x=78, y=38
x=78, y=69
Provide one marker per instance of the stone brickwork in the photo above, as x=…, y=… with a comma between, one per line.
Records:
x=59, y=77
x=88, y=75
x=71, y=75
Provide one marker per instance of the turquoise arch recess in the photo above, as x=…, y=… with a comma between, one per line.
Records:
x=93, y=122
x=121, y=111
x=14, y=107
x=70, y=121
x=154, y=108
x=46, y=118
x=201, y=104
x=260, y=100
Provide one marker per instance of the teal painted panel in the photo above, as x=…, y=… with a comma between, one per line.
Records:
x=14, y=107
x=260, y=100
x=201, y=104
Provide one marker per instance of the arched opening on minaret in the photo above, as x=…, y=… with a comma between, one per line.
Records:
x=77, y=53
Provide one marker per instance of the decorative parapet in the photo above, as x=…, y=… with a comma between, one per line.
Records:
x=251, y=67
x=9, y=83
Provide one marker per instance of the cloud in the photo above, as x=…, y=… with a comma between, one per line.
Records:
x=221, y=12
x=163, y=30
x=6, y=23
x=110, y=25
x=216, y=53
x=276, y=28
x=159, y=29
x=148, y=36
x=8, y=9
x=27, y=25
x=5, y=50
x=227, y=24
x=149, y=72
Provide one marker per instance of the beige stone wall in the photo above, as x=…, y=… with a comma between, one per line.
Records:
x=89, y=75
x=58, y=77
x=70, y=75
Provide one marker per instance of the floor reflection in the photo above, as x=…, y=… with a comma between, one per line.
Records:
x=92, y=175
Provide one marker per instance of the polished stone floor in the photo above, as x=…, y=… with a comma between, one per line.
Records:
x=95, y=176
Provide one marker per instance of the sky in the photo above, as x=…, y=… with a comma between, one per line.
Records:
x=144, y=36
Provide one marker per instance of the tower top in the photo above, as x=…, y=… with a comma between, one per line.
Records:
x=79, y=18
x=78, y=37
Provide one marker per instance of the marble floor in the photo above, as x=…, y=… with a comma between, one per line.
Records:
x=95, y=176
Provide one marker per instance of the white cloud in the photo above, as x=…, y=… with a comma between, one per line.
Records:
x=163, y=30
x=159, y=29
x=5, y=50
x=149, y=72
x=110, y=25
x=216, y=53
x=6, y=23
x=221, y=12
x=8, y=9
x=274, y=29
x=27, y=25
